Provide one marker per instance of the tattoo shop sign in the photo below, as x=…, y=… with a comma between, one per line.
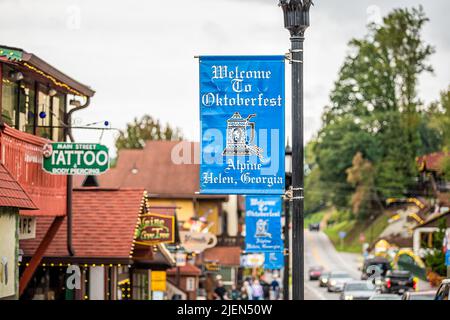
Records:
x=263, y=224
x=242, y=124
x=63, y=158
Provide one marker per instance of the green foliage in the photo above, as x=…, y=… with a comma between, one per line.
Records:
x=444, y=167
x=435, y=259
x=313, y=218
x=316, y=193
x=144, y=129
x=440, y=118
x=361, y=176
x=344, y=222
x=336, y=146
x=375, y=111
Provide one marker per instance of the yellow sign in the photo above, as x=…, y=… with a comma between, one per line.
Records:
x=158, y=286
x=158, y=282
x=158, y=276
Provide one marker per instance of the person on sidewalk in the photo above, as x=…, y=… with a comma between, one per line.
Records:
x=257, y=290
x=220, y=293
x=246, y=291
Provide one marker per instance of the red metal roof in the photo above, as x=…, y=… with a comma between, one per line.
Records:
x=226, y=256
x=104, y=222
x=431, y=162
x=11, y=192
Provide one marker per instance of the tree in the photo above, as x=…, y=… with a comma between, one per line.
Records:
x=336, y=146
x=440, y=118
x=375, y=109
x=316, y=193
x=144, y=129
x=444, y=168
x=361, y=176
x=435, y=259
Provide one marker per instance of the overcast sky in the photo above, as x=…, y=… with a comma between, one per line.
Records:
x=139, y=55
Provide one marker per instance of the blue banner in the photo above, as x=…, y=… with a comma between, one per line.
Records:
x=242, y=124
x=274, y=260
x=263, y=224
x=447, y=258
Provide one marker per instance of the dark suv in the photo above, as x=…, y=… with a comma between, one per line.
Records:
x=399, y=282
x=375, y=266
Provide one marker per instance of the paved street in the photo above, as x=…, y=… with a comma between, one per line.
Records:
x=320, y=251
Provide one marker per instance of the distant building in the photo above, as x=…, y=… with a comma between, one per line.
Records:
x=169, y=171
x=434, y=185
x=112, y=265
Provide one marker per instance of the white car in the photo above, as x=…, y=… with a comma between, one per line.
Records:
x=358, y=290
x=337, y=281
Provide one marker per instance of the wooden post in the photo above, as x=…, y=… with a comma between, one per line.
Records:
x=39, y=254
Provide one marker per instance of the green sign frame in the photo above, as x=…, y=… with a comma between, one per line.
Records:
x=65, y=158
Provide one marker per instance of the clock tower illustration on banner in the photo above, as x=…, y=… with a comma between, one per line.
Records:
x=238, y=143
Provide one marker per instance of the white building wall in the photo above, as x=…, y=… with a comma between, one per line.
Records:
x=231, y=207
x=96, y=283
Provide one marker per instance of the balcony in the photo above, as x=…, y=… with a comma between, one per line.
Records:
x=21, y=154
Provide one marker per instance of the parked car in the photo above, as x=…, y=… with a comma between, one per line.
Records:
x=420, y=295
x=315, y=272
x=370, y=267
x=399, y=282
x=323, y=279
x=314, y=227
x=358, y=290
x=385, y=296
x=443, y=291
x=337, y=280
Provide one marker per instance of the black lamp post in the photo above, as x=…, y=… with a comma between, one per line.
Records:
x=296, y=20
x=287, y=219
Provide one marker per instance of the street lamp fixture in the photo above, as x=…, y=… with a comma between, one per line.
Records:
x=296, y=15
x=296, y=20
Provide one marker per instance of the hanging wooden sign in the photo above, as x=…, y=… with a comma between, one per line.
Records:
x=154, y=228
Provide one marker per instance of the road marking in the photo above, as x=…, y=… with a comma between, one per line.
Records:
x=315, y=292
x=314, y=250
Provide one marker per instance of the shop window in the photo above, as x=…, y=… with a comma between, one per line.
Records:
x=123, y=284
x=26, y=107
x=44, y=114
x=9, y=97
x=140, y=286
x=57, y=121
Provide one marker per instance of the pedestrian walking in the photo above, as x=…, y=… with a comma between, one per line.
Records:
x=220, y=293
x=235, y=293
x=246, y=291
x=257, y=290
x=275, y=286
